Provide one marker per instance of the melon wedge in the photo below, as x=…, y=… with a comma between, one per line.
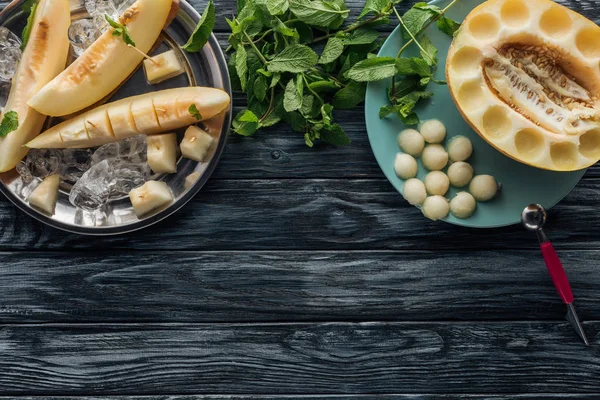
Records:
x=525, y=75
x=147, y=114
x=44, y=57
x=105, y=64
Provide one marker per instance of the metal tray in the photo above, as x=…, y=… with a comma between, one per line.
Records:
x=205, y=68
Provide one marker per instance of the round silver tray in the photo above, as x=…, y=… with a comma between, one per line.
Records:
x=205, y=68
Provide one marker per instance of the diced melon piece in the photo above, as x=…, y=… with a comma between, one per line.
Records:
x=162, y=67
x=525, y=75
x=162, y=153
x=45, y=196
x=195, y=143
x=149, y=197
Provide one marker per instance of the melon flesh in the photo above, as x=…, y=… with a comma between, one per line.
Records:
x=44, y=57
x=525, y=74
x=105, y=64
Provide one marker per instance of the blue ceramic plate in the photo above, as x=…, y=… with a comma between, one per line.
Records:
x=521, y=184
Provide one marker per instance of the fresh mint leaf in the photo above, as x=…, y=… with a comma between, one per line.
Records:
x=350, y=96
x=202, y=31
x=321, y=13
x=431, y=56
x=335, y=135
x=373, y=7
x=245, y=123
x=409, y=102
x=10, y=123
x=277, y=7
x=416, y=18
x=305, y=32
x=275, y=80
x=292, y=99
x=260, y=87
x=424, y=81
x=333, y=49
x=296, y=58
x=413, y=66
x=323, y=86
x=193, y=110
x=233, y=76
x=241, y=65
x=447, y=25
x=362, y=36
x=307, y=104
x=120, y=30
x=373, y=69
x=280, y=27
x=403, y=87
x=296, y=121
x=31, y=8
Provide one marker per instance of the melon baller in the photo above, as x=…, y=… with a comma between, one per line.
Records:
x=533, y=219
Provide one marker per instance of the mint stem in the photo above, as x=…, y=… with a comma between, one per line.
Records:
x=352, y=27
x=413, y=38
x=258, y=53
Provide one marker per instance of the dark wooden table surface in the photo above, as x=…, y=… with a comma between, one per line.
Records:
x=299, y=273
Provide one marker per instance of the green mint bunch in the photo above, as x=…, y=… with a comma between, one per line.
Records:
x=299, y=60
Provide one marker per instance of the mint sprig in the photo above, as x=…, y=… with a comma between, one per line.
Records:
x=276, y=60
x=10, y=123
x=29, y=7
x=120, y=30
x=202, y=31
x=193, y=110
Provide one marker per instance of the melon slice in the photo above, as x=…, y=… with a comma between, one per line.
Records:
x=105, y=64
x=44, y=57
x=525, y=74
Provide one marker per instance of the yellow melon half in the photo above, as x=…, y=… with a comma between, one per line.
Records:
x=525, y=74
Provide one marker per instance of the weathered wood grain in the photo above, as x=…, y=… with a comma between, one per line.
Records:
x=290, y=286
x=303, y=214
x=334, y=358
x=543, y=396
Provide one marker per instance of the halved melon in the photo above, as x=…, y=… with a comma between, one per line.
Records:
x=105, y=64
x=44, y=57
x=525, y=74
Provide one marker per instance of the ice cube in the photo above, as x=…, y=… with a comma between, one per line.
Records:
x=43, y=162
x=93, y=189
x=80, y=159
x=82, y=33
x=128, y=176
x=98, y=9
x=4, y=92
x=24, y=172
x=10, y=54
x=131, y=150
x=8, y=38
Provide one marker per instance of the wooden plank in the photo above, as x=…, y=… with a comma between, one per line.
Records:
x=334, y=358
x=311, y=215
x=419, y=396
x=290, y=286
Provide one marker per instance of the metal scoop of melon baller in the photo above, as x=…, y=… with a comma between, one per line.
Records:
x=533, y=218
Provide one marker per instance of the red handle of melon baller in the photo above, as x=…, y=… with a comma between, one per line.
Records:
x=557, y=272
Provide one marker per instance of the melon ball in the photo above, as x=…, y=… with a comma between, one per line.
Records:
x=459, y=148
x=436, y=207
x=460, y=174
x=463, y=205
x=414, y=192
x=434, y=157
x=433, y=131
x=483, y=187
x=436, y=183
x=405, y=166
x=411, y=142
